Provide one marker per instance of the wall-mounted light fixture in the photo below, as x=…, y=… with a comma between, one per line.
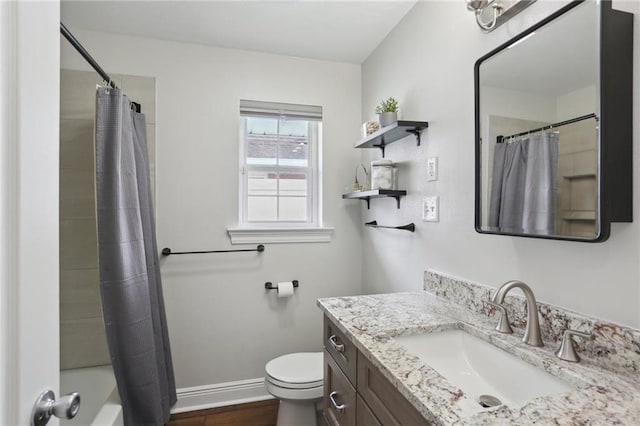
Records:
x=492, y=13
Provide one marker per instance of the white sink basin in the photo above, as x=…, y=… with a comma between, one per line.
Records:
x=479, y=368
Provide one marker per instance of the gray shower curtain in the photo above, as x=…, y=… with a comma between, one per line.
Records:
x=523, y=188
x=132, y=300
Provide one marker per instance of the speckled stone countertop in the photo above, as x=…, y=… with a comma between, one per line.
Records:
x=600, y=397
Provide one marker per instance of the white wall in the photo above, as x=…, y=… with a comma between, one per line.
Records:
x=579, y=102
x=427, y=64
x=223, y=325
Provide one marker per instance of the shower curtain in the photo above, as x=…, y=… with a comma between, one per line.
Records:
x=523, y=188
x=133, y=305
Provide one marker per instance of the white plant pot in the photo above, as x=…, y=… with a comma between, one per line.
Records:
x=387, y=118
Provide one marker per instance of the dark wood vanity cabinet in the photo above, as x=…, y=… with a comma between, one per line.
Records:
x=355, y=392
x=388, y=404
x=341, y=350
x=364, y=414
x=339, y=395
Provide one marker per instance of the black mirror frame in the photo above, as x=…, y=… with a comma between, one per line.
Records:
x=616, y=121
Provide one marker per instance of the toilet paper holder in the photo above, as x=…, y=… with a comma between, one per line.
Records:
x=270, y=286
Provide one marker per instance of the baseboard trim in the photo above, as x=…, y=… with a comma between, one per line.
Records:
x=220, y=395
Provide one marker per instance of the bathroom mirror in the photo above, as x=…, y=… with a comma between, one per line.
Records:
x=553, y=127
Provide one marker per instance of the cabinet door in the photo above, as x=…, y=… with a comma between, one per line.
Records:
x=388, y=405
x=339, y=395
x=343, y=351
x=364, y=415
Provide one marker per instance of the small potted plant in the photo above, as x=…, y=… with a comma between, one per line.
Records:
x=387, y=112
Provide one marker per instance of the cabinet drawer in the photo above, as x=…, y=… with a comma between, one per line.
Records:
x=364, y=416
x=339, y=395
x=342, y=350
x=388, y=405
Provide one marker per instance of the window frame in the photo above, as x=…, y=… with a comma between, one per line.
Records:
x=310, y=230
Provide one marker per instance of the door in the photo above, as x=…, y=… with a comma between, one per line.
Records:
x=29, y=92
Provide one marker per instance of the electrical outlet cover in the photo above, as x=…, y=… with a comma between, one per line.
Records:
x=432, y=169
x=430, y=209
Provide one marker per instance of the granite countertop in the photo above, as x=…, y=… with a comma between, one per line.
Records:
x=370, y=322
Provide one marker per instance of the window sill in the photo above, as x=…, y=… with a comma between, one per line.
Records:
x=280, y=235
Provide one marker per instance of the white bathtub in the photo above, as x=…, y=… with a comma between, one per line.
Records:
x=99, y=399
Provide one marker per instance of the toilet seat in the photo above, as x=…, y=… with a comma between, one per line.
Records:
x=287, y=385
x=304, y=394
x=301, y=370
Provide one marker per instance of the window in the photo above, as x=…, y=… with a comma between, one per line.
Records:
x=279, y=174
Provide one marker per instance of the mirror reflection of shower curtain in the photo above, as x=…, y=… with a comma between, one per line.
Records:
x=132, y=301
x=523, y=188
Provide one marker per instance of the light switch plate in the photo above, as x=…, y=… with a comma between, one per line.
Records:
x=432, y=169
x=430, y=209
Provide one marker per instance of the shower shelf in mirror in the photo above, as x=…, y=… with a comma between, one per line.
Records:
x=579, y=215
x=376, y=193
x=580, y=176
x=392, y=133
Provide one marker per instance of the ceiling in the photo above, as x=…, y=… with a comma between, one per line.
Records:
x=335, y=30
x=557, y=59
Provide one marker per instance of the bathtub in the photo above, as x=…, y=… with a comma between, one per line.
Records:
x=99, y=399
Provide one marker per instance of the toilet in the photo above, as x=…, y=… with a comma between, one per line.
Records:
x=296, y=380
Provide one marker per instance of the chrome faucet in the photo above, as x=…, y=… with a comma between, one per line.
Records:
x=532, y=331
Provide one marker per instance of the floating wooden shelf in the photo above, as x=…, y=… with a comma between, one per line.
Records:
x=394, y=132
x=376, y=193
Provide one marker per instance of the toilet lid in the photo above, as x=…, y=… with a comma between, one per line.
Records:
x=297, y=368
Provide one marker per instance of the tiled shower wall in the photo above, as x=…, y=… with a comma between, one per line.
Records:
x=82, y=337
x=577, y=199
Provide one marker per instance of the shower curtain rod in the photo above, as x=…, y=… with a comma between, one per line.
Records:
x=500, y=138
x=87, y=57
x=82, y=51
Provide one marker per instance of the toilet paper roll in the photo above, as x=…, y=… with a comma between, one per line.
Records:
x=285, y=289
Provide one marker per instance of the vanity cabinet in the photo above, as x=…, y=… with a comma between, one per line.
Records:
x=339, y=395
x=364, y=414
x=355, y=392
x=343, y=352
x=389, y=405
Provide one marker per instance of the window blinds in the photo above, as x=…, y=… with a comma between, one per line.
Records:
x=277, y=109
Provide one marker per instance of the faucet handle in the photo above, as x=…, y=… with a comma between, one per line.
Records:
x=503, y=322
x=567, y=351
